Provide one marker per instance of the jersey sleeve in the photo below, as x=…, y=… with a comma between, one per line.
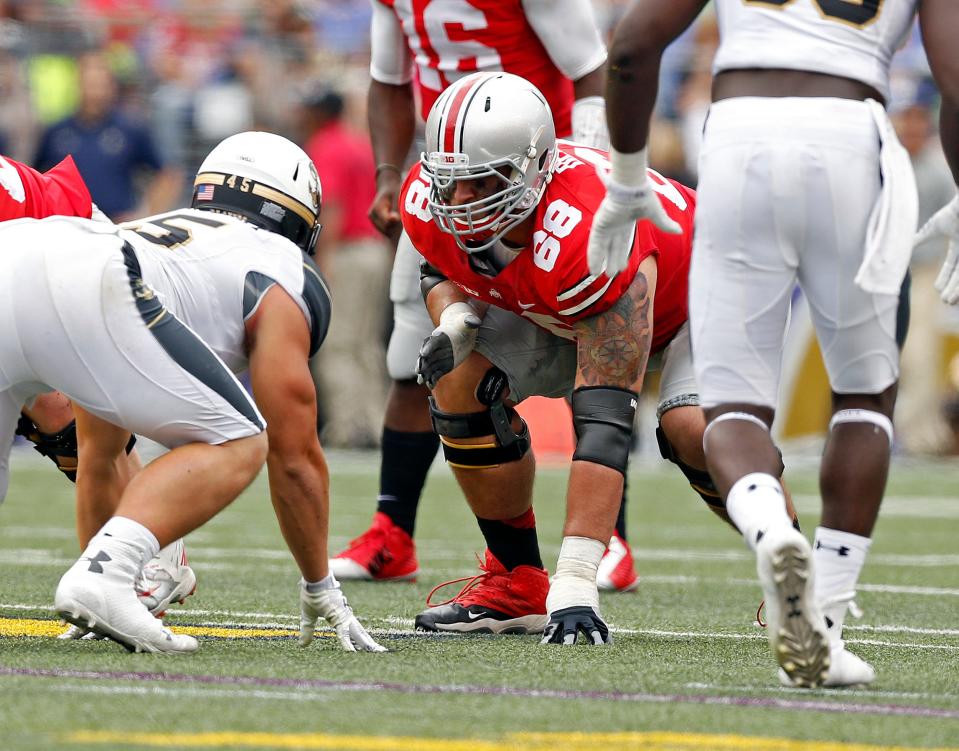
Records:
x=25, y=192
x=568, y=31
x=390, y=58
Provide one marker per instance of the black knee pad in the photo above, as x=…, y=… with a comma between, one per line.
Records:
x=62, y=444
x=699, y=479
x=603, y=419
x=508, y=445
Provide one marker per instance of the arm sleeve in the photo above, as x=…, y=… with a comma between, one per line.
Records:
x=568, y=31
x=390, y=58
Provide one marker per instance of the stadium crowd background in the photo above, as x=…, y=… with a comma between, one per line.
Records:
x=184, y=74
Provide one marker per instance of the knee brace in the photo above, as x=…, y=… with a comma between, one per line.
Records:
x=603, y=420
x=863, y=415
x=496, y=421
x=699, y=479
x=57, y=446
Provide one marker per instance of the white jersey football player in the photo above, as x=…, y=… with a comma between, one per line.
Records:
x=427, y=46
x=802, y=180
x=141, y=326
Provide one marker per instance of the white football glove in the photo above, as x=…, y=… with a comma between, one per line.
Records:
x=449, y=344
x=610, y=237
x=326, y=600
x=589, y=122
x=945, y=224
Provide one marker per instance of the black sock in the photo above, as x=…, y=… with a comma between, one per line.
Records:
x=513, y=542
x=404, y=464
x=621, y=516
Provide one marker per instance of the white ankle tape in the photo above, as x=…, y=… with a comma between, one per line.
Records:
x=734, y=416
x=863, y=415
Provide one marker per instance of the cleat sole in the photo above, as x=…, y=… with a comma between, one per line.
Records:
x=801, y=649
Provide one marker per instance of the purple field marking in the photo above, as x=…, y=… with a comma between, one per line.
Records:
x=402, y=688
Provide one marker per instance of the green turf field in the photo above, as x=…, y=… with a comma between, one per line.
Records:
x=689, y=668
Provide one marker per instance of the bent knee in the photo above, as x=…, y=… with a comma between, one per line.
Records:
x=684, y=427
x=249, y=454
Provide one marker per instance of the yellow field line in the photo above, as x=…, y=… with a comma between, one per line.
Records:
x=38, y=627
x=511, y=742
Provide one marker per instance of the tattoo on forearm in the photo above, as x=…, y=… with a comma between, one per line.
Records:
x=613, y=347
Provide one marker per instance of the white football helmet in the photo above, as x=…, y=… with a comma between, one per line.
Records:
x=265, y=179
x=488, y=125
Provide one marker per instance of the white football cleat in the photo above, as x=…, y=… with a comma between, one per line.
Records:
x=166, y=579
x=797, y=630
x=101, y=598
x=845, y=669
x=75, y=633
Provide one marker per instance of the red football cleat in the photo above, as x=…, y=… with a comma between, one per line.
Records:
x=384, y=552
x=497, y=601
x=616, y=572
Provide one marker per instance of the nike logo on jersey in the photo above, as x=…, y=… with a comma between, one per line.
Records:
x=525, y=305
x=473, y=616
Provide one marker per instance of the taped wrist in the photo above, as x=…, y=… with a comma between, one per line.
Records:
x=629, y=170
x=574, y=584
x=603, y=420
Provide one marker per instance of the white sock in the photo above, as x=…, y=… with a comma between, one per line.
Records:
x=756, y=503
x=127, y=542
x=838, y=558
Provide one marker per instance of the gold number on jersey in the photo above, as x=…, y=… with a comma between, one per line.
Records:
x=856, y=13
x=172, y=230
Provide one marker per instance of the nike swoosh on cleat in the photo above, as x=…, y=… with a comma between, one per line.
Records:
x=473, y=616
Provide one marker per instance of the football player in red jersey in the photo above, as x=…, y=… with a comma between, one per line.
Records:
x=501, y=212
x=419, y=47
x=48, y=422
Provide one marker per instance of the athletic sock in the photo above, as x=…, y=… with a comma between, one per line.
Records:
x=838, y=558
x=404, y=464
x=124, y=542
x=756, y=504
x=621, y=516
x=513, y=541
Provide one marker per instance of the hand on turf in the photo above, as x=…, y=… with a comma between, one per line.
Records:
x=611, y=236
x=449, y=344
x=331, y=604
x=566, y=625
x=945, y=224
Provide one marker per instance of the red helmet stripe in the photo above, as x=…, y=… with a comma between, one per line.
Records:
x=453, y=114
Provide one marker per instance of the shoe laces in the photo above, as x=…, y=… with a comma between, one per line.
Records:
x=472, y=582
x=848, y=597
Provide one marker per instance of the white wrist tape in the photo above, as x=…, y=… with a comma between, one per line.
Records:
x=629, y=170
x=574, y=583
x=454, y=314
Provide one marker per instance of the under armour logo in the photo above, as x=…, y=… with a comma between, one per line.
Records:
x=842, y=550
x=794, y=609
x=95, y=562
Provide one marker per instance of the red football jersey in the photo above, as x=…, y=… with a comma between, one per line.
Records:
x=549, y=281
x=24, y=192
x=451, y=38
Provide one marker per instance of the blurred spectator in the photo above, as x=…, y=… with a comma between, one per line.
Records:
x=109, y=148
x=350, y=368
x=921, y=426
